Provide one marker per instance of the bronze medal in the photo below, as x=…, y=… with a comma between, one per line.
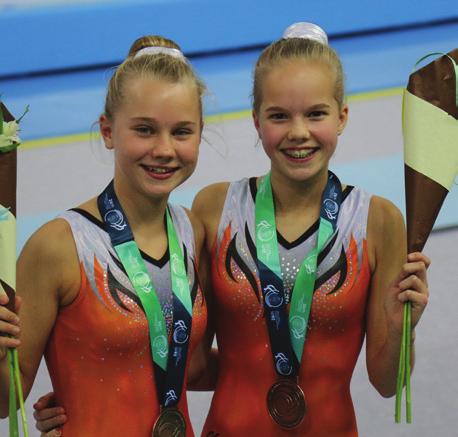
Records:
x=286, y=403
x=170, y=423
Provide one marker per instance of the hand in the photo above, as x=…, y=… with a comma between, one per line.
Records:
x=411, y=285
x=48, y=416
x=9, y=325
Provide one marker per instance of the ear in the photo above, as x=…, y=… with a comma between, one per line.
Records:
x=106, y=131
x=256, y=121
x=343, y=117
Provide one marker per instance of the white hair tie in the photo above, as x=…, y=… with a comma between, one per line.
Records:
x=306, y=31
x=156, y=50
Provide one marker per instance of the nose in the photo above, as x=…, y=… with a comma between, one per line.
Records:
x=162, y=147
x=299, y=130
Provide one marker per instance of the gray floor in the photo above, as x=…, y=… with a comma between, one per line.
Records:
x=231, y=151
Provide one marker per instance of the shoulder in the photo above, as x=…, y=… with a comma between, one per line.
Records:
x=209, y=202
x=51, y=241
x=208, y=206
x=50, y=256
x=385, y=228
x=384, y=214
x=210, y=198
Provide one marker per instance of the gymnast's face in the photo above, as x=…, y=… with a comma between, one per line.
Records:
x=155, y=134
x=299, y=119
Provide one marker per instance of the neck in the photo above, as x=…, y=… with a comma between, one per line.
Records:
x=291, y=196
x=145, y=214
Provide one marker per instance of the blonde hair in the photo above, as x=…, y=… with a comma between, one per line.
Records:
x=291, y=49
x=158, y=65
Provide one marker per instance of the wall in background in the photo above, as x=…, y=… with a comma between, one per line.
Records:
x=68, y=36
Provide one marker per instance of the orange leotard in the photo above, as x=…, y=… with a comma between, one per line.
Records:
x=99, y=355
x=336, y=326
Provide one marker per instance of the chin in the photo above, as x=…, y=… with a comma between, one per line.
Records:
x=303, y=174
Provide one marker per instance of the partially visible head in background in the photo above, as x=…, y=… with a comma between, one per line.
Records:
x=153, y=117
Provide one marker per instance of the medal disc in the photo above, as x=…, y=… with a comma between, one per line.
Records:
x=286, y=403
x=170, y=423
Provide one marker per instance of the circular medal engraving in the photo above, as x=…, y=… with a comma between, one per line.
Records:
x=286, y=403
x=170, y=423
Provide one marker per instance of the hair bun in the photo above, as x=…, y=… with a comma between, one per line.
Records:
x=306, y=31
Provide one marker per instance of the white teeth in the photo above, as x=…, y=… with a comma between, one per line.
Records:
x=158, y=170
x=302, y=153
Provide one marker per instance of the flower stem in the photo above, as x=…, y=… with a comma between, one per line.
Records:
x=13, y=422
x=401, y=370
x=408, y=329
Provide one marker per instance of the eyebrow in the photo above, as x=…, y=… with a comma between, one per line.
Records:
x=314, y=107
x=275, y=109
x=153, y=120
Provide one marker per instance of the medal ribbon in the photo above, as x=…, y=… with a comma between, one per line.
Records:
x=287, y=338
x=169, y=362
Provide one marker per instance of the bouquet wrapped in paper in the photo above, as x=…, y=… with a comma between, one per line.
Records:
x=430, y=130
x=9, y=141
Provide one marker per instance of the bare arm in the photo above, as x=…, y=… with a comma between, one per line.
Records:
x=207, y=207
x=396, y=279
x=45, y=278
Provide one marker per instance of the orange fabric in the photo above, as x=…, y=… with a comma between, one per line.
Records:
x=334, y=340
x=100, y=363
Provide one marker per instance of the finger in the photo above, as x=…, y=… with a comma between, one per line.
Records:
x=50, y=425
x=9, y=342
x=47, y=413
x=44, y=401
x=418, y=256
x=414, y=283
x=416, y=298
x=3, y=297
x=8, y=316
x=417, y=268
x=9, y=328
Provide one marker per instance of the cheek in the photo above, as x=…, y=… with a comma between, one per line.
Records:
x=129, y=153
x=189, y=153
x=270, y=136
x=327, y=134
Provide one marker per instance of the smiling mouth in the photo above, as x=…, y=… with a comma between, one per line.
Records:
x=159, y=170
x=300, y=153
